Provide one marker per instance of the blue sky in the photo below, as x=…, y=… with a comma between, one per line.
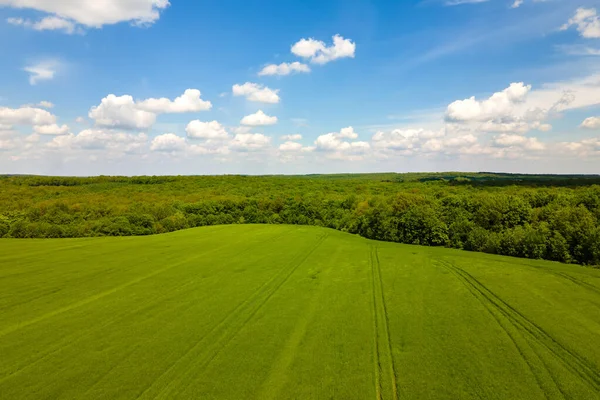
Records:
x=90, y=87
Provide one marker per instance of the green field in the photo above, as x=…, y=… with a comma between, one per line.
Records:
x=290, y=312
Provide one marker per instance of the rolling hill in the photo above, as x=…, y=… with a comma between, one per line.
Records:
x=290, y=312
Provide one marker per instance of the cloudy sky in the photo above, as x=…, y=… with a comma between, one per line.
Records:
x=267, y=87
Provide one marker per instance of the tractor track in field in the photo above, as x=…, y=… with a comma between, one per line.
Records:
x=220, y=336
x=386, y=382
x=115, y=289
x=69, y=340
x=576, y=281
x=572, y=361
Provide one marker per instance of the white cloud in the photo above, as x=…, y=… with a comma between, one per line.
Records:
x=51, y=23
x=578, y=50
x=52, y=129
x=402, y=139
x=42, y=71
x=80, y=120
x=517, y=126
x=581, y=150
x=121, y=112
x=100, y=139
x=189, y=101
x=507, y=140
x=461, y=2
x=339, y=149
x=124, y=112
x=284, y=69
x=347, y=133
x=290, y=146
x=319, y=53
x=587, y=22
x=168, y=142
x=256, y=92
x=296, y=136
x=250, y=142
x=45, y=104
x=25, y=116
x=591, y=123
x=409, y=142
x=562, y=96
x=517, y=4
x=92, y=13
x=500, y=104
x=212, y=130
x=259, y=118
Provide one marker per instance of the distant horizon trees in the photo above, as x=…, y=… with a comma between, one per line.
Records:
x=545, y=217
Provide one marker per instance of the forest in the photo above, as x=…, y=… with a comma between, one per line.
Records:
x=553, y=217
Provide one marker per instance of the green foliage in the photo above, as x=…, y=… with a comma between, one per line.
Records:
x=550, y=217
x=292, y=312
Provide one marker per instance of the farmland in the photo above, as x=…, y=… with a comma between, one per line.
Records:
x=284, y=312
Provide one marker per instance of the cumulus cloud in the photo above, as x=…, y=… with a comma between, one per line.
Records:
x=250, y=142
x=25, y=116
x=168, y=142
x=517, y=126
x=189, y=101
x=586, y=21
x=517, y=4
x=45, y=104
x=215, y=141
x=284, y=69
x=290, y=146
x=259, y=118
x=52, y=129
x=500, y=104
x=212, y=130
x=100, y=139
x=403, y=139
x=582, y=149
x=508, y=140
x=337, y=148
x=294, y=137
x=51, y=23
x=89, y=13
x=347, y=133
x=43, y=71
x=256, y=92
x=123, y=112
x=591, y=123
x=319, y=53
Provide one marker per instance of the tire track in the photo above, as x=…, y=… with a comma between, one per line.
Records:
x=115, y=289
x=72, y=339
x=576, y=281
x=386, y=385
x=221, y=334
x=572, y=361
x=82, y=334
x=512, y=337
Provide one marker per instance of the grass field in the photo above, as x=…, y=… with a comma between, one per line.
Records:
x=290, y=312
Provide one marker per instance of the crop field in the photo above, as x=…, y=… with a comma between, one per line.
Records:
x=290, y=312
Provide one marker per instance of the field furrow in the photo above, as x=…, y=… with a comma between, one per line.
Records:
x=575, y=363
x=290, y=312
x=386, y=370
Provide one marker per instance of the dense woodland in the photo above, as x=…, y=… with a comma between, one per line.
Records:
x=543, y=216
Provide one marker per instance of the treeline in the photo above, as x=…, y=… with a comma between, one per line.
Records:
x=546, y=222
